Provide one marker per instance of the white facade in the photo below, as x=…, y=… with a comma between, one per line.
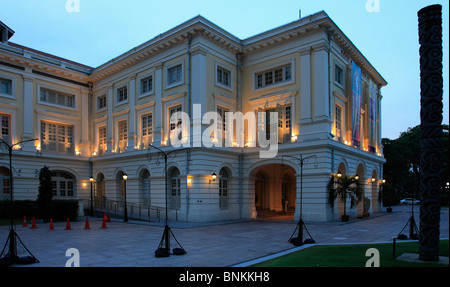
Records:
x=99, y=121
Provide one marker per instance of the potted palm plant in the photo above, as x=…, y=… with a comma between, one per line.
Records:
x=344, y=187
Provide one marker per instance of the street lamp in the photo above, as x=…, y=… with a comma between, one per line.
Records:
x=301, y=224
x=125, y=216
x=213, y=177
x=91, y=179
x=13, y=237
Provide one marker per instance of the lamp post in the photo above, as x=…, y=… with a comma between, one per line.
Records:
x=164, y=245
x=300, y=225
x=91, y=179
x=13, y=236
x=125, y=215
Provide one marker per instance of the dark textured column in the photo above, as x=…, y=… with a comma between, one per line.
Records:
x=431, y=84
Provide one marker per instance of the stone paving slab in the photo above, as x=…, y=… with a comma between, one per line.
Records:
x=208, y=245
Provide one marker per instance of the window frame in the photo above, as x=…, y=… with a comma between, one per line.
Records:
x=227, y=69
x=58, y=92
x=261, y=73
x=117, y=95
x=337, y=67
x=140, y=81
x=13, y=87
x=179, y=82
x=98, y=101
x=9, y=140
x=52, y=130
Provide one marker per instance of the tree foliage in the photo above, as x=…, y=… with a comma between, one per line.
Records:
x=344, y=187
x=402, y=168
x=45, y=195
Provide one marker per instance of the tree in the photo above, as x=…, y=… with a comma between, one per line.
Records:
x=344, y=187
x=402, y=168
x=45, y=195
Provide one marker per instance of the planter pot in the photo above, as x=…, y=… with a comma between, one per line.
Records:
x=389, y=209
x=345, y=218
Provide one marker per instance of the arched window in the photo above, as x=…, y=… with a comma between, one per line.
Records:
x=174, y=189
x=120, y=185
x=146, y=188
x=223, y=188
x=5, y=184
x=99, y=190
x=63, y=184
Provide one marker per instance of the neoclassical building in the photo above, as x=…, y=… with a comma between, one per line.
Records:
x=100, y=121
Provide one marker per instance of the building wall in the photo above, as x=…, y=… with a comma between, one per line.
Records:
x=201, y=48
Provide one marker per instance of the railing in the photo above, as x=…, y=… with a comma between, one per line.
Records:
x=134, y=210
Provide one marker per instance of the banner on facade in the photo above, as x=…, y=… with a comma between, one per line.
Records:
x=372, y=116
x=356, y=105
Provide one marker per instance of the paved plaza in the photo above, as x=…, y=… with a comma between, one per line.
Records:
x=221, y=244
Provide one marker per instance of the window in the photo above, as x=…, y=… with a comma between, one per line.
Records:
x=223, y=77
x=175, y=120
x=57, y=137
x=284, y=123
x=274, y=76
x=102, y=139
x=223, y=189
x=175, y=74
x=147, y=128
x=146, y=188
x=6, y=87
x=57, y=98
x=147, y=85
x=6, y=128
x=175, y=189
x=101, y=102
x=338, y=125
x=339, y=75
x=122, y=94
x=222, y=122
x=122, y=135
x=5, y=184
x=63, y=184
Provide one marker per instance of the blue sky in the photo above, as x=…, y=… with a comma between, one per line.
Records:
x=104, y=29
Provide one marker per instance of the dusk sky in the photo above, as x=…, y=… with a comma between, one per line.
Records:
x=104, y=29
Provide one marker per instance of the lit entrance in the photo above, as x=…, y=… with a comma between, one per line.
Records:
x=275, y=191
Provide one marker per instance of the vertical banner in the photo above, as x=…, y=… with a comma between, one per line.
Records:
x=372, y=116
x=356, y=106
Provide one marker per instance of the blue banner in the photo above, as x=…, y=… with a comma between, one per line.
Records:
x=356, y=105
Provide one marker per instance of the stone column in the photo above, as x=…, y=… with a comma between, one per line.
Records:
x=431, y=84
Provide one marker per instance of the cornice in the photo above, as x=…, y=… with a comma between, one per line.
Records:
x=33, y=64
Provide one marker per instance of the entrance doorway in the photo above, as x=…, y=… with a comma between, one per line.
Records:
x=275, y=191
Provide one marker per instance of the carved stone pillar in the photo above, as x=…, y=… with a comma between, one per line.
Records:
x=430, y=39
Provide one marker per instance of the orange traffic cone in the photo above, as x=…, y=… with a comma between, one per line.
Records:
x=68, y=225
x=51, y=225
x=33, y=224
x=86, y=225
x=104, y=223
x=24, y=224
x=109, y=218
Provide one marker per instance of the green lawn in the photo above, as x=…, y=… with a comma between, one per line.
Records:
x=352, y=256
